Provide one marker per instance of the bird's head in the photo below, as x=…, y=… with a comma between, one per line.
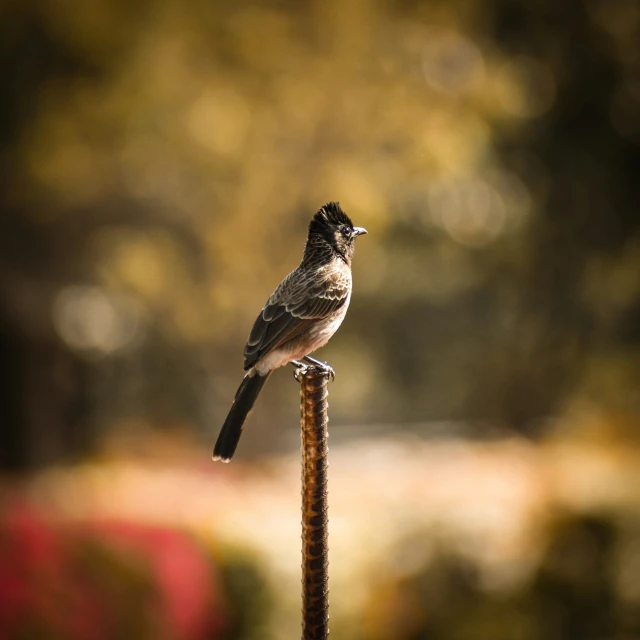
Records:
x=332, y=227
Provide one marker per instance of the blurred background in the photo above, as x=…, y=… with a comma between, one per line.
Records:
x=161, y=161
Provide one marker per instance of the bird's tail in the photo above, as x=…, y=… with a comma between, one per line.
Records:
x=246, y=397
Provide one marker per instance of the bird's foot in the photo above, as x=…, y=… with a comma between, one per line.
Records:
x=311, y=364
x=321, y=365
x=301, y=369
x=327, y=368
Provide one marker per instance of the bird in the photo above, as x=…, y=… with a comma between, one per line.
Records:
x=300, y=316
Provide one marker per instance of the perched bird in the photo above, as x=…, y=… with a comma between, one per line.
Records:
x=301, y=315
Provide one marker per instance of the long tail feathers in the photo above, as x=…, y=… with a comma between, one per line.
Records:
x=246, y=397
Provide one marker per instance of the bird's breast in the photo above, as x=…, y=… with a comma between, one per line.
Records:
x=315, y=337
x=321, y=332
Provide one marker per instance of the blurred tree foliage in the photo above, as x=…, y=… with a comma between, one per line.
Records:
x=575, y=594
x=162, y=159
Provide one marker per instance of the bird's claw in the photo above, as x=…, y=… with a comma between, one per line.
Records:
x=329, y=371
x=302, y=369
x=322, y=366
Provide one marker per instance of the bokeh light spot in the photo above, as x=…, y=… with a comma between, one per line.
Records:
x=525, y=87
x=470, y=211
x=88, y=319
x=452, y=63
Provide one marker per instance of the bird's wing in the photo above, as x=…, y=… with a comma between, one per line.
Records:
x=299, y=301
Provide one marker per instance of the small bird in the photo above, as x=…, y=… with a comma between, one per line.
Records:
x=301, y=315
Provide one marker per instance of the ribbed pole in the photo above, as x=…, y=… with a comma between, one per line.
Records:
x=315, y=520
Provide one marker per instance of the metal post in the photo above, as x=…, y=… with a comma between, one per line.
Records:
x=315, y=520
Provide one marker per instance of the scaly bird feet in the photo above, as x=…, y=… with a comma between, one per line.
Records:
x=311, y=363
x=321, y=365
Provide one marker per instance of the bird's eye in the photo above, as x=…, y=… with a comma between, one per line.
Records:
x=345, y=231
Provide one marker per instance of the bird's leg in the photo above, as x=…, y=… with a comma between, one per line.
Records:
x=321, y=365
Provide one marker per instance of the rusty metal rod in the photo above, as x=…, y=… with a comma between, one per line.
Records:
x=315, y=519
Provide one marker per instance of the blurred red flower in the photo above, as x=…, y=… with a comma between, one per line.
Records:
x=99, y=580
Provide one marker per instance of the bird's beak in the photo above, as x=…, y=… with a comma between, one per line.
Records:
x=359, y=231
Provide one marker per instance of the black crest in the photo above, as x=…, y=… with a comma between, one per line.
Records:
x=332, y=214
